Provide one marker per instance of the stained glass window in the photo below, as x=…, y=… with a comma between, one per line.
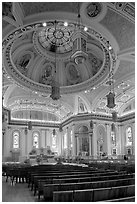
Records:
x=129, y=136
x=35, y=140
x=16, y=140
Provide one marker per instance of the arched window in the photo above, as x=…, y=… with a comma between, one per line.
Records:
x=15, y=140
x=129, y=136
x=35, y=140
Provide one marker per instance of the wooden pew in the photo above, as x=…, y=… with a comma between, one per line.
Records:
x=104, y=193
x=94, y=195
x=126, y=199
x=93, y=171
x=34, y=180
x=35, y=177
x=93, y=178
x=50, y=188
x=79, y=178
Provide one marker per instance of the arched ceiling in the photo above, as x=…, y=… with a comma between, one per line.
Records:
x=31, y=59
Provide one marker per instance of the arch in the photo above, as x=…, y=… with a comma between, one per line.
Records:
x=83, y=129
x=101, y=140
x=80, y=126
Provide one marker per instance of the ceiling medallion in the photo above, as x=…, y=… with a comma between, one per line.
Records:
x=56, y=39
x=94, y=9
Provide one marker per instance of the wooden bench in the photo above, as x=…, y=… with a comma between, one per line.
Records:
x=93, y=195
x=35, y=177
x=126, y=199
x=45, y=177
x=48, y=189
x=78, y=178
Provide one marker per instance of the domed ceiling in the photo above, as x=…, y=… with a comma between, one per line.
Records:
x=46, y=42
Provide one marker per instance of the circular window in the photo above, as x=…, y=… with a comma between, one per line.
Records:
x=56, y=39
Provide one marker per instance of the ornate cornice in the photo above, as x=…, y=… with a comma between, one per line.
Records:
x=74, y=119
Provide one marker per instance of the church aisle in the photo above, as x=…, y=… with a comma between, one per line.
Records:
x=17, y=193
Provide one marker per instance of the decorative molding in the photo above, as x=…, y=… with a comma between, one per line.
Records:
x=125, y=9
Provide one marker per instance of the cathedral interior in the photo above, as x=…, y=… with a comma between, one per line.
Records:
x=68, y=96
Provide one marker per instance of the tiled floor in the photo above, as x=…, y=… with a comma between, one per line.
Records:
x=16, y=193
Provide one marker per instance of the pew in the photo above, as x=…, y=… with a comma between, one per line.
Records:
x=126, y=199
x=94, y=195
x=48, y=189
x=79, y=178
x=35, y=177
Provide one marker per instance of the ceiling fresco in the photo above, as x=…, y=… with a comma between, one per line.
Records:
x=40, y=42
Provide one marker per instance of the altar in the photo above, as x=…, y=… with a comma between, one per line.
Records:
x=41, y=155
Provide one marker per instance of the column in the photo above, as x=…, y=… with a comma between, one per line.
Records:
x=90, y=143
x=77, y=143
x=73, y=141
x=42, y=136
x=59, y=143
x=68, y=142
x=118, y=141
x=122, y=139
x=94, y=141
x=3, y=143
x=108, y=130
x=45, y=138
x=61, y=140
x=48, y=138
x=133, y=137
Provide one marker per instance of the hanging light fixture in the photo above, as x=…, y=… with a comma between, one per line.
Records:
x=114, y=116
x=91, y=124
x=60, y=128
x=111, y=95
x=54, y=132
x=79, y=38
x=30, y=123
x=26, y=129
x=113, y=127
x=55, y=88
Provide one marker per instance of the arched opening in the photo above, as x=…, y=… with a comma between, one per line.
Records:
x=83, y=141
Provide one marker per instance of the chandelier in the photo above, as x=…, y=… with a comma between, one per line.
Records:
x=114, y=116
x=79, y=39
x=54, y=132
x=111, y=95
x=55, y=88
